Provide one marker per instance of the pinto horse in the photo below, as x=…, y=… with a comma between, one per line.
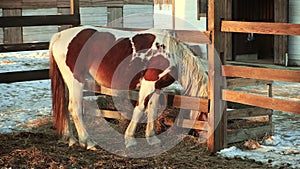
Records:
x=124, y=60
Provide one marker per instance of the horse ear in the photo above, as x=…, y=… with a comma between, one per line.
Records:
x=143, y=41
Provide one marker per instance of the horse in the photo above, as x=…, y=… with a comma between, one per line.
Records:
x=149, y=60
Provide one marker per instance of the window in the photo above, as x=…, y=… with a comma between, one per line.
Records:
x=202, y=8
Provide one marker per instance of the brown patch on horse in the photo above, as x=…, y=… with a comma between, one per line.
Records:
x=118, y=70
x=118, y=65
x=156, y=66
x=146, y=100
x=143, y=41
x=167, y=79
x=84, y=48
x=74, y=49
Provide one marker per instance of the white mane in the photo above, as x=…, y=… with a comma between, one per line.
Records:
x=192, y=69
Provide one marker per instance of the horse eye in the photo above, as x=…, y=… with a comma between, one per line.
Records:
x=157, y=45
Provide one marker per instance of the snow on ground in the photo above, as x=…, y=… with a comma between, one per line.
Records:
x=24, y=102
x=280, y=150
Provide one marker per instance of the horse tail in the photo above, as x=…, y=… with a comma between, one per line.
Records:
x=57, y=90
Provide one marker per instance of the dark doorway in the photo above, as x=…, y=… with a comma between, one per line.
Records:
x=250, y=47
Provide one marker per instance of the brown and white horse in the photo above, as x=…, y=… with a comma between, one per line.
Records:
x=125, y=60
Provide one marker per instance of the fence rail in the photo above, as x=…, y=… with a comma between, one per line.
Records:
x=177, y=101
x=24, y=47
x=42, y=20
x=261, y=27
x=20, y=76
x=261, y=101
x=261, y=73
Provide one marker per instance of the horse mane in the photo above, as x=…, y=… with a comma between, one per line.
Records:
x=193, y=75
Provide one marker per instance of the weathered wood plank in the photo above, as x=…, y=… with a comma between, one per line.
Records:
x=15, y=34
x=201, y=37
x=38, y=4
x=21, y=76
x=239, y=135
x=23, y=47
x=216, y=117
x=14, y=21
x=115, y=16
x=185, y=123
x=74, y=9
x=239, y=82
x=188, y=36
x=261, y=101
x=63, y=4
x=281, y=15
x=189, y=103
x=248, y=112
x=108, y=114
x=228, y=36
x=178, y=101
x=11, y=4
x=27, y=4
x=261, y=73
x=140, y=2
x=261, y=27
x=198, y=125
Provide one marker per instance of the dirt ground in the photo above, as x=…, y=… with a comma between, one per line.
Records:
x=41, y=148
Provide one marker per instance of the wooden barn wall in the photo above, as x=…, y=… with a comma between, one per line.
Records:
x=38, y=4
x=162, y=1
x=138, y=16
x=93, y=12
x=253, y=10
x=294, y=41
x=89, y=16
x=38, y=33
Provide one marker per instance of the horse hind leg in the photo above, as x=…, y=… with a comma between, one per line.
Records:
x=67, y=132
x=75, y=109
x=60, y=101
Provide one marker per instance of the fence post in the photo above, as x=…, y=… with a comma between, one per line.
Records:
x=75, y=9
x=217, y=120
x=13, y=34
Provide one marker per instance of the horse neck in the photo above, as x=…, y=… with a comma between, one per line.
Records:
x=193, y=77
x=192, y=70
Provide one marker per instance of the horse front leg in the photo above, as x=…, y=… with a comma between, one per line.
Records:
x=152, y=111
x=75, y=109
x=129, y=133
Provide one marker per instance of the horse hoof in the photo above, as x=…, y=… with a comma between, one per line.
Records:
x=130, y=142
x=72, y=141
x=153, y=140
x=91, y=145
x=94, y=148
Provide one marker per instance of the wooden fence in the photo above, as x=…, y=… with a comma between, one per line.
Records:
x=14, y=24
x=227, y=27
x=217, y=26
